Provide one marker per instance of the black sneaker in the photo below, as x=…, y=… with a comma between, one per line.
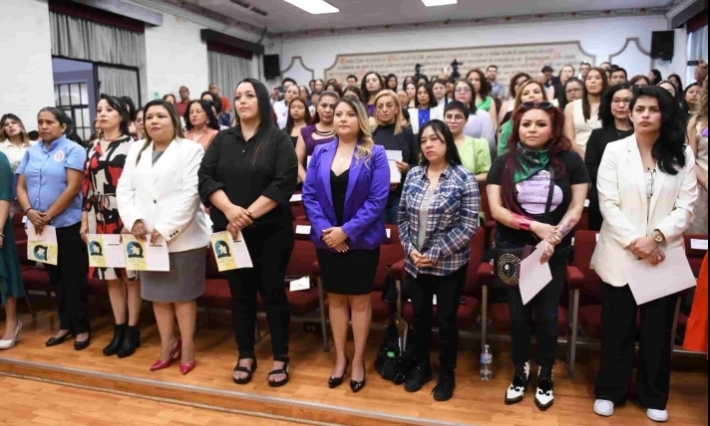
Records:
x=417, y=378
x=444, y=390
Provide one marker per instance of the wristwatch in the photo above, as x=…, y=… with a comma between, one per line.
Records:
x=658, y=236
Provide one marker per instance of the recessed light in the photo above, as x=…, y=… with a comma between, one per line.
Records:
x=315, y=7
x=432, y=3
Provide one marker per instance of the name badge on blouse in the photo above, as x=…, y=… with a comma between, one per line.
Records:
x=59, y=156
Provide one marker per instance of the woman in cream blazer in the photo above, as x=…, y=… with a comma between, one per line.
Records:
x=158, y=201
x=647, y=192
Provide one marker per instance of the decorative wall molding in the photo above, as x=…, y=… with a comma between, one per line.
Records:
x=634, y=53
x=293, y=65
x=453, y=23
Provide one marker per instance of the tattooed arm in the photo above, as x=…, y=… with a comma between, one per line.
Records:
x=574, y=213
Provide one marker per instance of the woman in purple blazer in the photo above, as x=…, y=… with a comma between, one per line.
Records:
x=345, y=194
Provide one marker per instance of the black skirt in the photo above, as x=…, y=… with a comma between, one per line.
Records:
x=349, y=274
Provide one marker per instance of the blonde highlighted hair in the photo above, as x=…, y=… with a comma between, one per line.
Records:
x=365, y=144
x=398, y=107
x=701, y=109
x=23, y=133
x=521, y=89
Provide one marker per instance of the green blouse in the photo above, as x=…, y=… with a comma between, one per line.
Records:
x=486, y=104
x=505, y=131
x=475, y=155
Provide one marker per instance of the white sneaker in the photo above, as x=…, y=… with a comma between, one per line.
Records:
x=545, y=394
x=516, y=391
x=604, y=408
x=660, y=416
x=8, y=344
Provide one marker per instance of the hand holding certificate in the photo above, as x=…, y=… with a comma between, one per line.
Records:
x=145, y=255
x=534, y=275
x=230, y=253
x=649, y=283
x=42, y=248
x=106, y=251
x=393, y=157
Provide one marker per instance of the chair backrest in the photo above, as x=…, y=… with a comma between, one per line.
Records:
x=584, y=246
x=695, y=255
x=478, y=249
x=303, y=255
x=485, y=205
x=390, y=253
x=18, y=227
x=212, y=271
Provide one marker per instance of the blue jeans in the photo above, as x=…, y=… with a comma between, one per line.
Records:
x=391, y=211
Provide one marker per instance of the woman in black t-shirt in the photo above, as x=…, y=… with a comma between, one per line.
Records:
x=518, y=190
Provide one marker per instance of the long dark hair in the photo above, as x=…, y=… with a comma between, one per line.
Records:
x=306, y=117
x=657, y=77
x=513, y=90
x=557, y=145
x=608, y=119
x=363, y=85
x=680, y=82
x=669, y=149
x=130, y=106
x=472, y=105
x=433, y=103
x=357, y=91
x=586, y=106
x=266, y=117
x=485, y=85
x=387, y=82
x=441, y=129
x=174, y=117
x=121, y=108
x=212, y=121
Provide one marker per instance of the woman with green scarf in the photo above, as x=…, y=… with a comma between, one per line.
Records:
x=530, y=91
x=536, y=192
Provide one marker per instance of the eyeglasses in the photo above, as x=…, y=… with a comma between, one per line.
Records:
x=537, y=105
x=621, y=101
x=577, y=90
x=454, y=118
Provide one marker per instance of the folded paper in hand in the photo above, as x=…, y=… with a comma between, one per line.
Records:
x=649, y=283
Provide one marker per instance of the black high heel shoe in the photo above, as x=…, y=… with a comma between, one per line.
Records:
x=334, y=382
x=54, y=341
x=80, y=346
x=358, y=386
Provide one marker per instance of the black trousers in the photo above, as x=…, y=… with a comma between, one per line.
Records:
x=270, y=247
x=545, y=307
x=619, y=311
x=448, y=297
x=70, y=280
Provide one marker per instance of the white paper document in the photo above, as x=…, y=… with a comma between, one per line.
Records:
x=145, y=255
x=392, y=158
x=649, y=283
x=296, y=198
x=699, y=244
x=301, y=284
x=303, y=230
x=533, y=276
x=106, y=251
x=42, y=248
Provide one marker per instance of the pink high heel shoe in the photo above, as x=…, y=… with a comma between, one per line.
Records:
x=185, y=368
x=174, y=356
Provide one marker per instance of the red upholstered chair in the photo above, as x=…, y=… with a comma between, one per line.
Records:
x=695, y=256
x=490, y=224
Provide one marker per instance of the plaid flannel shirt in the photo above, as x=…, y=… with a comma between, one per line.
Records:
x=452, y=220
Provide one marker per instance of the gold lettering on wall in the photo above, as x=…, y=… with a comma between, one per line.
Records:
x=511, y=59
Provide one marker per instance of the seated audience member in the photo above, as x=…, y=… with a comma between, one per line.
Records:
x=49, y=192
x=616, y=125
x=322, y=131
x=698, y=141
x=158, y=201
x=647, y=191
x=438, y=217
x=247, y=178
x=201, y=125
x=473, y=153
x=393, y=136
x=344, y=196
x=582, y=116
x=536, y=192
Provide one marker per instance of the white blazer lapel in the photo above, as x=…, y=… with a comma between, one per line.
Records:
x=160, y=174
x=635, y=170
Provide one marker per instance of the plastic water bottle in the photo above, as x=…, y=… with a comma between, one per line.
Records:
x=487, y=364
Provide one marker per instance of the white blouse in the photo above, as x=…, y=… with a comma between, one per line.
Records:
x=14, y=153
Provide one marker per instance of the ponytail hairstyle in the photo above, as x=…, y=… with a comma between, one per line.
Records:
x=558, y=145
x=174, y=118
x=701, y=110
x=365, y=144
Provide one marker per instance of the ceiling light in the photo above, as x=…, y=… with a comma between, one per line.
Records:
x=432, y=3
x=315, y=7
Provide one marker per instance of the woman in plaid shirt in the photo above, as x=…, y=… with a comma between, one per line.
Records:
x=438, y=216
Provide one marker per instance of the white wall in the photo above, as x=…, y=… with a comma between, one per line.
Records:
x=176, y=56
x=26, y=82
x=602, y=37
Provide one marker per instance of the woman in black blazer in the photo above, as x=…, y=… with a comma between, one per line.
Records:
x=616, y=125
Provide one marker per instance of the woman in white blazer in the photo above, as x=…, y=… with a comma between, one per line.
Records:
x=647, y=192
x=426, y=108
x=158, y=200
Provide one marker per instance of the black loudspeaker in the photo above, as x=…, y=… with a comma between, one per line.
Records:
x=272, y=66
x=663, y=45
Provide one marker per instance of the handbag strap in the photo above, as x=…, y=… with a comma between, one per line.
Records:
x=551, y=194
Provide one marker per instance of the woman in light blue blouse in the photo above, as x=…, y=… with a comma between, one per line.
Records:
x=438, y=216
x=50, y=181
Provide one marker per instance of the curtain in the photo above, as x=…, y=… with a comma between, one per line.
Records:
x=227, y=71
x=118, y=82
x=80, y=39
x=697, y=49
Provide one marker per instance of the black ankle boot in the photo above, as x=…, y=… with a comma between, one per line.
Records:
x=131, y=342
x=119, y=334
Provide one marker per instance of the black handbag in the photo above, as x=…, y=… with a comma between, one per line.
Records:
x=508, y=257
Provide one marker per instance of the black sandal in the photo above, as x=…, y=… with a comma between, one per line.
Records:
x=284, y=371
x=240, y=369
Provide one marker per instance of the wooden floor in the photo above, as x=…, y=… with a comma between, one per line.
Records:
x=307, y=398
x=29, y=402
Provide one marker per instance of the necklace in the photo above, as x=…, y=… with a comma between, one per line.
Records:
x=330, y=133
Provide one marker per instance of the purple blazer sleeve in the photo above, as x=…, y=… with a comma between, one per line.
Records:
x=312, y=199
x=376, y=202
